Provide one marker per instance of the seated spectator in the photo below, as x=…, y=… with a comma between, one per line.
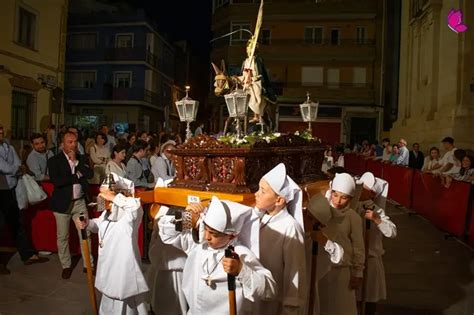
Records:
x=446, y=176
x=416, y=157
x=394, y=154
x=340, y=157
x=164, y=166
x=99, y=156
x=387, y=149
x=432, y=162
x=366, y=149
x=131, y=139
x=116, y=164
x=466, y=173
x=143, y=135
x=111, y=142
x=38, y=158
x=447, y=161
x=136, y=170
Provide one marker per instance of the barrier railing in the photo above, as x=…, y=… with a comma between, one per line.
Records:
x=449, y=209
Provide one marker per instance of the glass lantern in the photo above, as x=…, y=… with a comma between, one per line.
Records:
x=187, y=111
x=309, y=111
x=237, y=104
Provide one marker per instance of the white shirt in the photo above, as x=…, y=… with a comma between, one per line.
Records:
x=403, y=156
x=76, y=188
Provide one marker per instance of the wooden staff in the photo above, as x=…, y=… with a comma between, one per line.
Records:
x=364, y=282
x=87, y=259
x=314, y=265
x=231, y=283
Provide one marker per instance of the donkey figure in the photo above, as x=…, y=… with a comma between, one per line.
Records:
x=224, y=84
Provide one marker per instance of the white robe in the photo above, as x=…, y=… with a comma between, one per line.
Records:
x=282, y=251
x=375, y=289
x=165, y=276
x=345, y=228
x=119, y=275
x=253, y=283
x=331, y=252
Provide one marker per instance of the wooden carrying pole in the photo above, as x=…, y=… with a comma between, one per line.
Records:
x=314, y=265
x=90, y=276
x=364, y=281
x=231, y=284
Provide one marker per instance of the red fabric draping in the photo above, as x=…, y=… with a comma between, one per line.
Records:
x=350, y=162
x=376, y=167
x=471, y=230
x=400, y=183
x=41, y=226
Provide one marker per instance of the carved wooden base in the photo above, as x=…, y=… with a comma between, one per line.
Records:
x=209, y=165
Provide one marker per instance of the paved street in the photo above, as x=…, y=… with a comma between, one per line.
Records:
x=426, y=274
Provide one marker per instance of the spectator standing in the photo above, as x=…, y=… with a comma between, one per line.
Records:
x=403, y=154
x=80, y=147
x=164, y=166
x=378, y=150
x=38, y=158
x=99, y=156
x=9, y=212
x=432, y=162
x=111, y=142
x=136, y=171
x=394, y=155
x=116, y=164
x=387, y=149
x=199, y=130
x=447, y=161
x=416, y=158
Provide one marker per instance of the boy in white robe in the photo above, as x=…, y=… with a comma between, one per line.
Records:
x=371, y=207
x=282, y=246
x=337, y=287
x=328, y=251
x=165, y=274
x=119, y=276
x=206, y=268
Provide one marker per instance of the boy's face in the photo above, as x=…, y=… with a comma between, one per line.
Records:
x=216, y=239
x=340, y=200
x=265, y=198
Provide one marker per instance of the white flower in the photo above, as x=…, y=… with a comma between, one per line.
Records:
x=297, y=133
x=277, y=134
x=267, y=139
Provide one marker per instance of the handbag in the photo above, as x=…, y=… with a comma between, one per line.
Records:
x=21, y=194
x=34, y=192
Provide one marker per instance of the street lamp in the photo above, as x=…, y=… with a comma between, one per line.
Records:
x=237, y=104
x=309, y=111
x=187, y=111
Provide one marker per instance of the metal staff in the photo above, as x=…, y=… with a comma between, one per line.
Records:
x=231, y=284
x=87, y=259
x=364, y=282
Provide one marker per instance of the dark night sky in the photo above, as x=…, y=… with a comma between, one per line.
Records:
x=182, y=19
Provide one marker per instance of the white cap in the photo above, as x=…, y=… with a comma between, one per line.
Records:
x=286, y=187
x=117, y=208
x=234, y=219
x=344, y=183
x=377, y=185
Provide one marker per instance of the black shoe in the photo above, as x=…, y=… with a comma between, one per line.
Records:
x=67, y=272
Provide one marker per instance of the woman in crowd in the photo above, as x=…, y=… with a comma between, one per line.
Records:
x=394, y=155
x=116, y=164
x=466, y=173
x=99, y=156
x=431, y=163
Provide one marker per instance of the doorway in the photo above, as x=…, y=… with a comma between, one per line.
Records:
x=363, y=129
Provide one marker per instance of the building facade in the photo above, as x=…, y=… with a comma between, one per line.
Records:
x=32, y=46
x=332, y=49
x=436, y=75
x=120, y=72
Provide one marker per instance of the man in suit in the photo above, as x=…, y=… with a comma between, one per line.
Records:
x=69, y=173
x=416, y=158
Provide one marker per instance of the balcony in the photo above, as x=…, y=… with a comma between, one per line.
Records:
x=299, y=50
x=342, y=92
x=130, y=94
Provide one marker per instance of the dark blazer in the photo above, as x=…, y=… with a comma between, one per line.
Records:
x=416, y=162
x=62, y=179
